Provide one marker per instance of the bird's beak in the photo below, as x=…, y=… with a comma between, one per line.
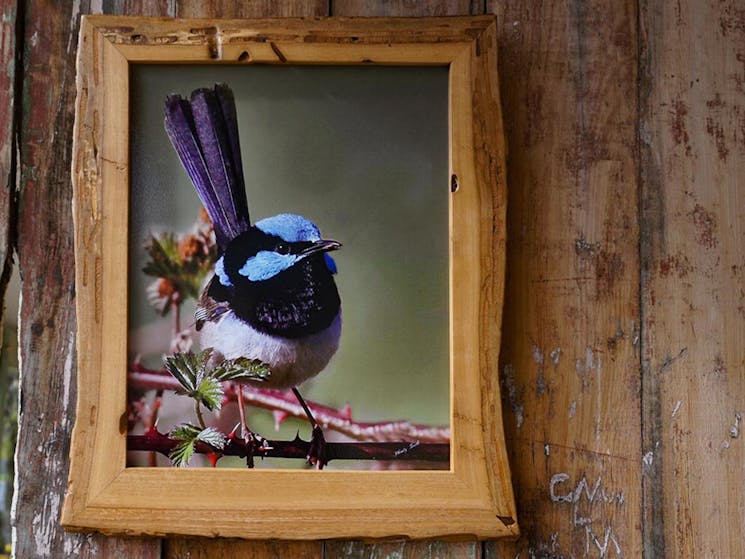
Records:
x=321, y=246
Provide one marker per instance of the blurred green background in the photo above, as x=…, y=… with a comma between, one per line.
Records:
x=363, y=153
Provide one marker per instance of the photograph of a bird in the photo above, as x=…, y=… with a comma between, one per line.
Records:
x=272, y=296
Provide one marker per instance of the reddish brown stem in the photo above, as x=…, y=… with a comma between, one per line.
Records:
x=326, y=417
x=151, y=423
x=176, y=306
x=298, y=448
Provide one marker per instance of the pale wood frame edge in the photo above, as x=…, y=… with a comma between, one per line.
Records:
x=474, y=498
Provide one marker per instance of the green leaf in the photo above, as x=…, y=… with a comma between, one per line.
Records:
x=212, y=437
x=184, y=432
x=242, y=369
x=189, y=369
x=210, y=393
x=182, y=453
x=183, y=368
x=187, y=435
x=199, y=379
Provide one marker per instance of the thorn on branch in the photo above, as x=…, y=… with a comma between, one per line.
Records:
x=285, y=404
x=298, y=448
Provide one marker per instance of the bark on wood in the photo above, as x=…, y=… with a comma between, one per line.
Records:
x=8, y=396
x=692, y=140
x=7, y=129
x=202, y=548
x=403, y=550
x=260, y=8
x=570, y=364
x=47, y=315
x=406, y=8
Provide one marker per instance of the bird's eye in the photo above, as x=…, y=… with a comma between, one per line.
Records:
x=282, y=248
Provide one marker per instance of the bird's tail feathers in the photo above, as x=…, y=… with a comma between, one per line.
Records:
x=204, y=132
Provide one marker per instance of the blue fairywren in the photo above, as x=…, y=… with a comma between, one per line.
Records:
x=272, y=296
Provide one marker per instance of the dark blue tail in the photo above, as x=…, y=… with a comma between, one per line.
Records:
x=204, y=131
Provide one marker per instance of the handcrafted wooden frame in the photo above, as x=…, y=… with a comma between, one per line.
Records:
x=474, y=497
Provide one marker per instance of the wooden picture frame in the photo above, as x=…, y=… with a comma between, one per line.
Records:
x=474, y=497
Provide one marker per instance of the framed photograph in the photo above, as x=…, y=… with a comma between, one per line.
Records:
x=290, y=241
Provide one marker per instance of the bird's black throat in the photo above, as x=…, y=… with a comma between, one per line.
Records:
x=297, y=302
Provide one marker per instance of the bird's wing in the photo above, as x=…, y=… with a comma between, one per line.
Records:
x=204, y=132
x=209, y=309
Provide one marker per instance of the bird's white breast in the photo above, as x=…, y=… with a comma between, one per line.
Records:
x=292, y=360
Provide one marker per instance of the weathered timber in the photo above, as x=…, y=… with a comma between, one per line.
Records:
x=47, y=314
x=562, y=68
x=570, y=356
x=692, y=148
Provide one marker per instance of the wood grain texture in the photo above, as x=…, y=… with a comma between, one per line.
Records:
x=154, y=8
x=693, y=282
x=203, y=548
x=474, y=498
x=402, y=549
x=256, y=8
x=8, y=396
x=570, y=361
x=562, y=68
x=406, y=8
x=8, y=53
x=47, y=315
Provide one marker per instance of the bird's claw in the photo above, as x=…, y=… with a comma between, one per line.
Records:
x=317, y=449
x=255, y=444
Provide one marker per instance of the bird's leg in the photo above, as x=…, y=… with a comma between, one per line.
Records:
x=317, y=450
x=253, y=441
x=242, y=413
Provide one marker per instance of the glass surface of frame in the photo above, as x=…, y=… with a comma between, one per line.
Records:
x=473, y=497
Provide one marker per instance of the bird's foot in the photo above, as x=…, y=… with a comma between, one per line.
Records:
x=317, y=449
x=255, y=445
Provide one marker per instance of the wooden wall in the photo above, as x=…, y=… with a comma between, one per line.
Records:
x=623, y=362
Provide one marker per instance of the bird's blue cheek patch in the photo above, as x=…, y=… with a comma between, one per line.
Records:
x=330, y=264
x=222, y=274
x=266, y=264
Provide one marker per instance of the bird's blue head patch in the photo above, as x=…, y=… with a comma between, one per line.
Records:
x=269, y=262
x=290, y=227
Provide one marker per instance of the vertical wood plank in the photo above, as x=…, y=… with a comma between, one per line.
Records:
x=8, y=54
x=256, y=8
x=47, y=314
x=162, y=8
x=403, y=550
x=461, y=550
x=406, y=8
x=8, y=397
x=693, y=263
x=570, y=361
x=202, y=548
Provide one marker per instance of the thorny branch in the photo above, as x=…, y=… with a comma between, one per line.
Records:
x=179, y=264
x=298, y=448
x=285, y=405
